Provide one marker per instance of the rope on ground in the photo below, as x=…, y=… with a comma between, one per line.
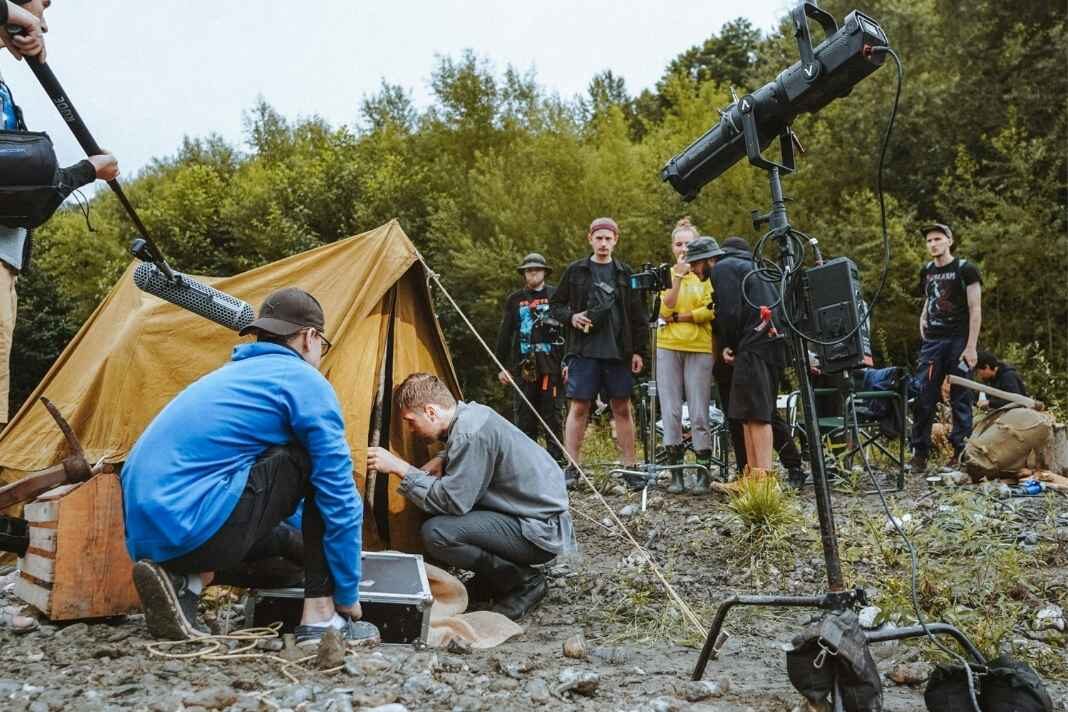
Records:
x=215, y=647
x=687, y=613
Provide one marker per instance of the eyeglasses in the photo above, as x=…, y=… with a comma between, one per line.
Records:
x=326, y=345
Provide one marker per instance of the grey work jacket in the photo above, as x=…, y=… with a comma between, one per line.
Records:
x=491, y=465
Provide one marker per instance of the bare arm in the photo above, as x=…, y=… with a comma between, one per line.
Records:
x=975, y=322
x=923, y=321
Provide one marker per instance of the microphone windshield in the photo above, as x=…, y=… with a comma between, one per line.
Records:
x=195, y=296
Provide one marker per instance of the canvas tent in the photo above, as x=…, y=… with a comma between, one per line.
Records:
x=136, y=352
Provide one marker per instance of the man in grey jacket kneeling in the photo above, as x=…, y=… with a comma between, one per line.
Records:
x=497, y=499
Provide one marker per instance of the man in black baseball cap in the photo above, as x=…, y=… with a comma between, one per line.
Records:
x=209, y=486
x=949, y=338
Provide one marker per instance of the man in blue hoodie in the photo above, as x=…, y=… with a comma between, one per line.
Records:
x=208, y=484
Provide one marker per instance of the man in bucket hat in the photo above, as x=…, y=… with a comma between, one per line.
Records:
x=208, y=484
x=528, y=344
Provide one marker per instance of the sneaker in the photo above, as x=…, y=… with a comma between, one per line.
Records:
x=354, y=633
x=918, y=464
x=170, y=607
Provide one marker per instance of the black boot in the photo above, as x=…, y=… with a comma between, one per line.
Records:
x=796, y=477
x=517, y=589
x=675, y=456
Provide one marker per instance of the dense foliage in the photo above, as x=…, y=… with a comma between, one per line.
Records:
x=498, y=166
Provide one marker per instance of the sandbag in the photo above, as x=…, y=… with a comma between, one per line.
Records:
x=1003, y=440
x=835, y=645
x=947, y=690
x=1013, y=686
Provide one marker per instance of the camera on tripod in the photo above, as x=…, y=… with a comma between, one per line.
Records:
x=652, y=278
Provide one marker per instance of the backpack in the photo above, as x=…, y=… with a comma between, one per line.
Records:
x=32, y=185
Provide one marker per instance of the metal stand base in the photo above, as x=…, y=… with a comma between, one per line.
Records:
x=650, y=471
x=828, y=602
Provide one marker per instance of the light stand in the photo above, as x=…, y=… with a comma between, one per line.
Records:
x=837, y=598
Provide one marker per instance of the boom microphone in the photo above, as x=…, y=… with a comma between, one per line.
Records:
x=194, y=296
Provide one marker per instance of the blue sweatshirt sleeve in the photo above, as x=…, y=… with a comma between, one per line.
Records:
x=315, y=416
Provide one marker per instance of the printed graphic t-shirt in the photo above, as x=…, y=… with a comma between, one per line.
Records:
x=944, y=288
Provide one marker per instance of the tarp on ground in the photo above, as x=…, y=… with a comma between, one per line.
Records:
x=136, y=352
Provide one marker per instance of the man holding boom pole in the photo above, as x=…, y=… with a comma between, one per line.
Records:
x=16, y=239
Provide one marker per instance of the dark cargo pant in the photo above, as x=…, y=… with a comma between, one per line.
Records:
x=940, y=358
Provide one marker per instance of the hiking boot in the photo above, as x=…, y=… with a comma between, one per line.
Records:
x=521, y=600
x=353, y=633
x=918, y=464
x=796, y=477
x=170, y=607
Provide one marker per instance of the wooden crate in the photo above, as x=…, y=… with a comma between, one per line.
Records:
x=77, y=565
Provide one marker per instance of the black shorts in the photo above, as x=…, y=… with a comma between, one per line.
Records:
x=588, y=377
x=754, y=388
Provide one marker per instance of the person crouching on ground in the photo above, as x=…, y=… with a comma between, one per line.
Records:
x=684, y=360
x=210, y=481
x=497, y=499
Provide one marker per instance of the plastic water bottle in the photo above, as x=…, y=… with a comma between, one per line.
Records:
x=1032, y=487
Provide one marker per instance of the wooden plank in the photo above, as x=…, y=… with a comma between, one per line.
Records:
x=34, y=594
x=57, y=492
x=997, y=393
x=41, y=511
x=93, y=573
x=43, y=538
x=38, y=566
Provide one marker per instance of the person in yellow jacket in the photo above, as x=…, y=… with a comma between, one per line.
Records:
x=684, y=359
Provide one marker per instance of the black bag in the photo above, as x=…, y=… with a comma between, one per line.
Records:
x=947, y=690
x=32, y=186
x=835, y=645
x=1013, y=686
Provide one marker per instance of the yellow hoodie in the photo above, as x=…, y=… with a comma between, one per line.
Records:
x=695, y=296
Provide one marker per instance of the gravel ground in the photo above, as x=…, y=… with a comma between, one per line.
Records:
x=639, y=654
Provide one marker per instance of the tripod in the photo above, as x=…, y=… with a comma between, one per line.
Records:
x=648, y=472
x=837, y=598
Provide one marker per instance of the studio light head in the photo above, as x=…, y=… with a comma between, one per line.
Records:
x=822, y=75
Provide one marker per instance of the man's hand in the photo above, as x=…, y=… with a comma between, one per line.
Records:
x=563, y=374
x=636, y=363
x=107, y=168
x=581, y=322
x=354, y=611
x=382, y=460
x=30, y=42
x=504, y=377
x=728, y=356
x=970, y=356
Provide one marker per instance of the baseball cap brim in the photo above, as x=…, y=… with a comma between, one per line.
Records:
x=937, y=227
x=278, y=327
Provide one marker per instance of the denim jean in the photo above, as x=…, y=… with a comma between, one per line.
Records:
x=940, y=358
